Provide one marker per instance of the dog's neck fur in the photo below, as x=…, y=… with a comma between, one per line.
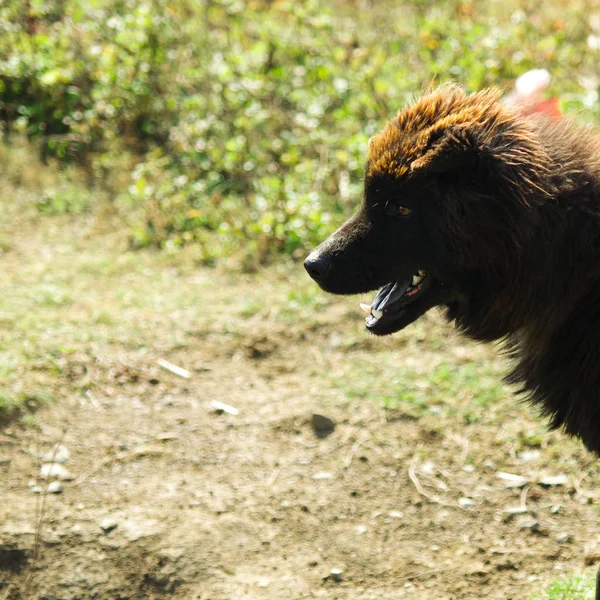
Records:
x=555, y=341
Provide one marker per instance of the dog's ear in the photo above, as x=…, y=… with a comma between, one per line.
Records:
x=446, y=151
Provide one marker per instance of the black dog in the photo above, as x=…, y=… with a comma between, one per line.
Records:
x=494, y=216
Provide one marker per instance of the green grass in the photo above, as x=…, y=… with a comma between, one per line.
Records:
x=444, y=388
x=573, y=587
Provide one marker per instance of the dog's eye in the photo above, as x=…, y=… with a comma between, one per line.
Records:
x=404, y=212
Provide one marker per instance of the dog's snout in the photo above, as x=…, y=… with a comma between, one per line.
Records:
x=317, y=264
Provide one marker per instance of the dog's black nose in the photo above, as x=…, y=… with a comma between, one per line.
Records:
x=317, y=265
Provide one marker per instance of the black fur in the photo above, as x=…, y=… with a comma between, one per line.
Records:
x=506, y=223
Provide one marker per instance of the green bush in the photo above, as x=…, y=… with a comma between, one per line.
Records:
x=244, y=124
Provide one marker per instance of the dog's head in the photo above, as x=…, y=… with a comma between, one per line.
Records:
x=449, y=190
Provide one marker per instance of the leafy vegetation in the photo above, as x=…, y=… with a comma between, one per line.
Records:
x=242, y=127
x=569, y=588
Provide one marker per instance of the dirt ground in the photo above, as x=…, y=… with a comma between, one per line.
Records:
x=169, y=497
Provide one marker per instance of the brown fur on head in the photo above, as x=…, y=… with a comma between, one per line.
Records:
x=494, y=216
x=447, y=129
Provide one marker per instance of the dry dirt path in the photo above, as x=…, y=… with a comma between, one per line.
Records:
x=170, y=498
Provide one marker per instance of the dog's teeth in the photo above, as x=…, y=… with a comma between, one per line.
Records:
x=366, y=308
x=415, y=280
x=421, y=273
x=377, y=313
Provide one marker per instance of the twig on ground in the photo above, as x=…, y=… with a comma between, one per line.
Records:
x=415, y=480
x=523, y=498
x=352, y=453
x=579, y=489
x=273, y=477
x=40, y=509
x=179, y=371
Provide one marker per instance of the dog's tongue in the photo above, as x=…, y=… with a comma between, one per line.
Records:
x=390, y=293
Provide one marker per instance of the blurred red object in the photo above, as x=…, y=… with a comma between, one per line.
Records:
x=527, y=96
x=550, y=108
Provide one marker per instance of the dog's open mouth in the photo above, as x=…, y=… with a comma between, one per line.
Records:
x=392, y=299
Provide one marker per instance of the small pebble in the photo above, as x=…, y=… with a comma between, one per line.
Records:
x=512, y=481
x=323, y=475
x=55, y=487
x=322, y=426
x=555, y=509
x=59, y=454
x=554, y=480
x=563, y=538
x=55, y=471
x=529, y=456
x=108, y=524
x=466, y=502
x=528, y=523
x=517, y=510
x=336, y=575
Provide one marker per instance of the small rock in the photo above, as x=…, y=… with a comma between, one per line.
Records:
x=554, y=480
x=563, y=538
x=322, y=426
x=166, y=436
x=511, y=480
x=170, y=554
x=323, y=475
x=55, y=471
x=36, y=489
x=140, y=528
x=510, y=513
x=55, y=487
x=555, y=509
x=477, y=568
x=517, y=510
x=466, y=502
x=360, y=529
x=108, y=524
x=591, y=559
x=529, y=456
x=396, y=514
x=336, y=575
x=528, y=523
x=59, y=454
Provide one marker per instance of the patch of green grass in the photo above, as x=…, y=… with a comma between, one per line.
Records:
x=8, y=403
x=250, y=308
x=574, y=587
x=51, y=295
x=22, y=403
x=461, y=390
x=69, y=199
